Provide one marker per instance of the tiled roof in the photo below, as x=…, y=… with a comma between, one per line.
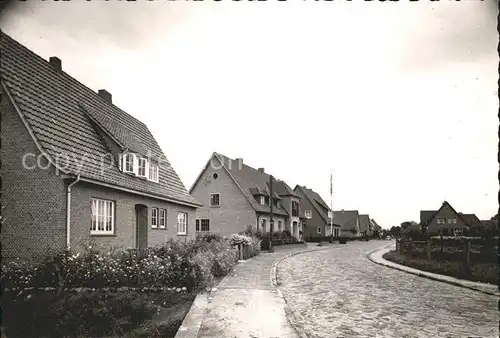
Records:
x=60, y=111
x=346, y=218
x=471, y=219
x=283, y=189
x=377, y=227
x=425, y=215
x=364, y=222
x=248, y=178
x=317, y=202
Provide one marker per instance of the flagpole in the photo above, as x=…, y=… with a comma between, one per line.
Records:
x=331, y=203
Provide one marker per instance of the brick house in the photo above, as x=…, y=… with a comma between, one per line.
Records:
x=447, y=221
x=78, y=169
x=348, y=221
x=365, y=226
x=375, y=228
x=236, y=196
x=316, y=214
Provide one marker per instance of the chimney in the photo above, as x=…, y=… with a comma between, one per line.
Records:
x=105, y=95
x=261, y=170
x=55, y=62
x=239, y=160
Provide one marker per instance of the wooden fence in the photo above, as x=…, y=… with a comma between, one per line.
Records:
x=467, y=250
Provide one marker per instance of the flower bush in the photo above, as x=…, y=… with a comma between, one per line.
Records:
x=175, y=264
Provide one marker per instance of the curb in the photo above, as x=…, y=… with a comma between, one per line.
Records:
x=274, y=282
x=431, y=275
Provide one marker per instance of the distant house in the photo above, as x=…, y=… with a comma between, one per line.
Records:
x=348, y=221
x=77, y=169
x=365, y=227
x=236, y=196
x=375, y=228
x=316, y=213
x=447, y=221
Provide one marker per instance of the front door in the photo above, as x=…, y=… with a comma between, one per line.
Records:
x=141, y=241
x=295, y=229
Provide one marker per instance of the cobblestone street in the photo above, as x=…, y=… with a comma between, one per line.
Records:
x=340, y=293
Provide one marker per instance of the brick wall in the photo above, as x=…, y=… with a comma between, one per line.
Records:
x=235, y=212
x=125, y=218
x=34, y=199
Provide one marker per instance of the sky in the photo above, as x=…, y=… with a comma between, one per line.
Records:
x=398, y=99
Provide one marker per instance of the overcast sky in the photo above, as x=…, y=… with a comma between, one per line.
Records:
x=399, y=99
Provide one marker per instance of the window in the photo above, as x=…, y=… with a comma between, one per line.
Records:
x=103, y=217
x=215, y=200
x=454, y=221
x=181, y=223
x=267, y=201
x=295, y=209
x=318, y=230
x=163, y=219
x=262, y=200
x=450, y=220
x=128, y=163
x=153, y=172
x=263, y=225
x=279, y=225
x=154, y=218
x=141, y=171
x=203, y=224
x=215, y=176
x=308, y=213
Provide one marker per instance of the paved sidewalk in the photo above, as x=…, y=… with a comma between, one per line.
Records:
x=245, y=303
x=377, y=257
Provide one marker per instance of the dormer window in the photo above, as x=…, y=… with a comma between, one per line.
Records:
x=142, y=167
x=139, y=166
x=128, y=163
x=262, y=200
x=153, y=172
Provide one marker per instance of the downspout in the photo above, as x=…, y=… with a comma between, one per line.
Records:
x=68, y=211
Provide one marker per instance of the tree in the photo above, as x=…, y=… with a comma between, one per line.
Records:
x=395, y=231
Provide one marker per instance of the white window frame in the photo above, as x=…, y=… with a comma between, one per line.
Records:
x=308, y=213
x=162, y=217
x=450, y=221
x=139, y=160
x=210, y=201
x=154, y=218
x=108, y=215
x=153, y=172
x=454, y=221
x=318, y=230
x=262, y=200
x=125, y=159
x=182, y=223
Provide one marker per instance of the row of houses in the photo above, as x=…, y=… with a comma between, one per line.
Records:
x=78, y=169
x=235, y=197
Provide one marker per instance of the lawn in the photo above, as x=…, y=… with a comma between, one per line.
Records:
x=486, y=272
